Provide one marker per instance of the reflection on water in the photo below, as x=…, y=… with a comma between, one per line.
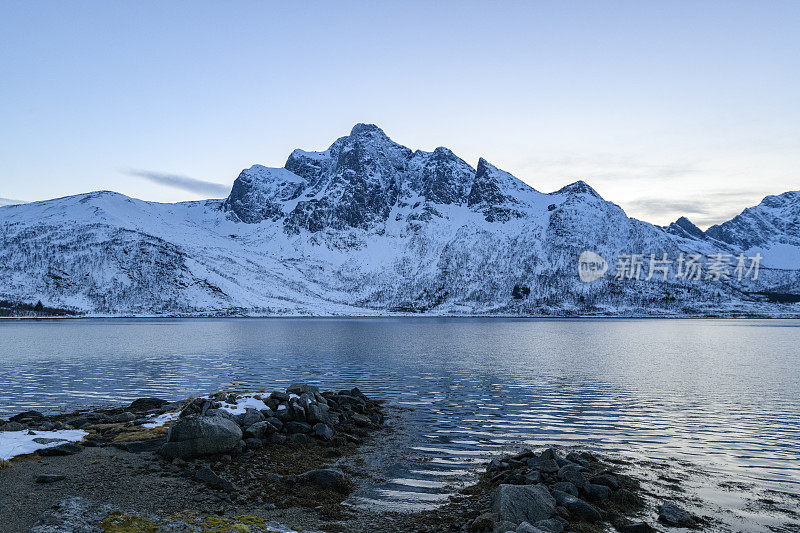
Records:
x=723, y=394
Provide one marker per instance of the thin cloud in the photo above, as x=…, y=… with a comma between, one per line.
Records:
x=717, y=207
x=184, y=183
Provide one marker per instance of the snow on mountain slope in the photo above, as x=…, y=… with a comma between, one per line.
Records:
x=370, y=227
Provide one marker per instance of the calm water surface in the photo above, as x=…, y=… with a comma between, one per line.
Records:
x=723, y=395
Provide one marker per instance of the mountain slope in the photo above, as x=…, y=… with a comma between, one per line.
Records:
x=371, y=227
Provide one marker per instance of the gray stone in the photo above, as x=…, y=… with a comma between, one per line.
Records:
x=504, y=526
x=566, y=486
x=518, y=503
x=533, y=477
x=577, y=508
x=527, y=527
x=551, y=525
x=636, y=527
x=68, y=448
x=672, y=515
x=548, y=466
x=323, y=432
x=49, y=478
x=253, y=443
x=609, y=480
x=327, y=478
x=140, y=446
x=297, y=438
x=250, y=417
x=572, y=474
x=207, y=476
x=297, y=427
x=596, y=493
x=147, y=404
x=277, y=438
x=276, y=423
x=196, y=436
x=360, y=420
x=300, y=388
x=260, y=430
x=27, y=416
x=297, y=411
x=12, y=426
x=122, y=417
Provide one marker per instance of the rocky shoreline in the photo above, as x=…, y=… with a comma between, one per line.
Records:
x=282, y=461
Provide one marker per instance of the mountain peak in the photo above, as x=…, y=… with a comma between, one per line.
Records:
x=685, y=227
x=366, y=129
x=578, y=187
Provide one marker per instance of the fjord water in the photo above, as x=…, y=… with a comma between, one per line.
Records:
x=718, y=395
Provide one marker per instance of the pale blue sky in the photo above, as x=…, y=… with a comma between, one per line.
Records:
x=666, y=108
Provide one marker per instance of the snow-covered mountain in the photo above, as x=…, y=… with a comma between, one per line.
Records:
x=371, y=227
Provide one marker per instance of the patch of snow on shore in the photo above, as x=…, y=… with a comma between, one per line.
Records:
x=244, y=402
x=14, y=443
x=160, y=420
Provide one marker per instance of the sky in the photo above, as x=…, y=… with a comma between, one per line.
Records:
x=665, y=108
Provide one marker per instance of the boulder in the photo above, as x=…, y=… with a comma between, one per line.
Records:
x=322, y=431
x=484, y=522
x=27, y=416
x=636, y=527
x=609, y=480
x=572, y=474
x=527, y=527
x=253, y=443
x=566, y=486
x=210, y=478
x=551, y=525
x=577, y=508
x=68, y=448
x=201, y=435
x=327, y=478
x=596, y=493
x=146, y=404
x=520, y=503
x=672, y=515
x=297, y=427
x=249, y=417
x=301, y=388
x=260, y=430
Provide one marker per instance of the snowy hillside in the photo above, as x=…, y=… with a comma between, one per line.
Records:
x=371, y=227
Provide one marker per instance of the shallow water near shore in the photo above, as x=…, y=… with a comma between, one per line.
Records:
x=717, y=402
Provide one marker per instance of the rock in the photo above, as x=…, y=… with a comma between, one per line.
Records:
x=300, y=388
x=280, y=397
x=672, y=515
x=253, y=443
x=277, y=438
x=140, y=446
x=196, y=436
x=297, y=438
x=518, y=503
x=573, y=457
x=276, y=423
x=68, y=448
x=577, y=508
x=260, y=430
x=297, y=427
x=12, y=426
x=220, y=412
x=317, y=413
x=548, y=466
x=572, y=474
x=297, y=412
x=551, y=525
x=609, y=480
x=636, y=527
x=27, y=416
x=327, y=478
x=41, y=440
x=250, y=417
x=146, y=404
x=596, y=493
x=566, y=486
x=49, y=478
x=504, y=526
x=207, y=476
x=322, y=431
x=484, y=522
x=527, y=527
x=122, y=417
x=533, y=477
x=360, y=420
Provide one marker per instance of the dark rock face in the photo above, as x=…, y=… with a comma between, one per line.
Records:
x=523, y=503
x=197, y=435
x=577, y=507
x=358, y=180
x=27, y=416
x=49, y=478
